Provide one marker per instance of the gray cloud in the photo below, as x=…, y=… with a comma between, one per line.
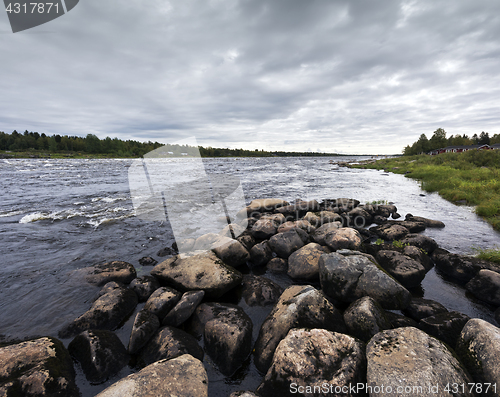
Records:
x=350, y=76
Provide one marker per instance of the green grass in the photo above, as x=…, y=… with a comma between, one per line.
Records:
x=471, y=178
x=492, y=255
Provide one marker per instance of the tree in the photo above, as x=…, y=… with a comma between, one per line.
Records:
x=484, y=138
x=438, y=139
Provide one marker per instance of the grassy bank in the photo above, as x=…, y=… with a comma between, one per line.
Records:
x=471, y=178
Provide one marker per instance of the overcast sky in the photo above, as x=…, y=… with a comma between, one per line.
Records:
x=298, y=75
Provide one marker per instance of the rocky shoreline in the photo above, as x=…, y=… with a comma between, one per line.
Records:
x=346, y=323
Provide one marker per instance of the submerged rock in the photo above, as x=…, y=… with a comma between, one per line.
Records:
x=348, y=278
x=298, y=307
x=445, y=326
x=182, y=376
x=420, y=308
x=36, y=368
x=107, y=313
x=203, y=271
x=316, y=361
x=411, y=363
x=144, y=327
x=100, y=353
x=427, y=222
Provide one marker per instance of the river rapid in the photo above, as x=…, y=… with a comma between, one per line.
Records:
x=57, y=216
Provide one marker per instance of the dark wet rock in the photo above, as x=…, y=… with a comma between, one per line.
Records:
x=100, y=353
x=277, y=265
x=260, y=291
x=420, y=308
x=298, y=307
x=419, y=255
x=108, y=287
x=202, y=271
x=162, y=301
x=312, y=218
x=300, y=224
x=283, y=244
x=228, y=339
x=184, y=308
x=264, y=229
x=232, y=253
x=166, y=251
x=398, y=320
x=497, y=315
x=261, y=253
x=364, y=318
x=445, y=326
x=204, y=313
x=479, y=350
x=404, y=269
x=107, y=313
x=320, y=233
x=413, y=227
x=427, y=222
x=144, y=327
x=348, y=278
x=144, y=286
x=303, y=263
x=343, y=203
x=326, y=217
x=386, y=210
x=344, y=238
x=379, y=220
x=169, y=342
x=485, y=286
x=247, y=241
x=360, y=217
x=36, y=368
x=243, y=394
x=100, y=274
x=461, y=267
x=314, y=358
x=390, y=232
x=299, y=209
x=182, y=376
x=278, y=219
x=408, y=357
x=420, y=241
x=147, y=261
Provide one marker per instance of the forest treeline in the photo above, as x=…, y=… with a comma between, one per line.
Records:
x=439, y=140
x=91, y=144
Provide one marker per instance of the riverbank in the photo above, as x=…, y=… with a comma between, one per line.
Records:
x=471, y=178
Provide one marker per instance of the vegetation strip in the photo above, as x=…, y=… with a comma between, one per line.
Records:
x=471, y=178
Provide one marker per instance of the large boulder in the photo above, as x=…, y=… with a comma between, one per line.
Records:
x=461, y=267
x=348, y=278
x=408, y=362
x=479, y=349
x=315, y=362
x=344, y=238
x=419, y=240
x=184, y=308
x=228, y=339
x=277, y=265
x=145, y=326
x=298, y=307
x=100, y=274
x=182, y=376
x=303, y=263
x=108, y=312
x=37, y=368
x=419, y=255
x=364, y=318
x=260, y=291
x=404, y=269
x=203, y=271
x=204, y=313
x=232, y=252
x=284, y=244
x=266, y=205
x=301, y=224
x=486, y=286
x=100, y=354
x=426, y=221
x=169, y=342
x=320, y=233
x=162, y=301
x=360, y=217
x=144, y=286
